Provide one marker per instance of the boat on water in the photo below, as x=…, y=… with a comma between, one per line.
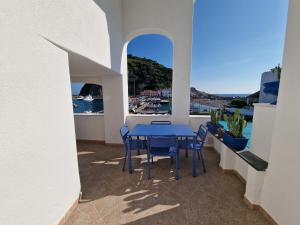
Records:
x=153, y=106
x=88, y=98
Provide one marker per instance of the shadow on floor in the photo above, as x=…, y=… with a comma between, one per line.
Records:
x=111, y=196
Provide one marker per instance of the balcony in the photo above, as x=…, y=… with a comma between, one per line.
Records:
x=110, y=196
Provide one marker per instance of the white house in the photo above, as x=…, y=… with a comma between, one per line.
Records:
x=47, y=44
x=166, y=92
x=270, y=76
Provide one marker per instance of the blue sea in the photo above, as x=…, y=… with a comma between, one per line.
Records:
x=94, y=106
x=232, y=95
x=246, y=133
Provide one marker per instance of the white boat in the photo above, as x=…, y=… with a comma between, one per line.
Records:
x=88, y=98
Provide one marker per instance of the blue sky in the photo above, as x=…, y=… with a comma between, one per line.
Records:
x=234, y=41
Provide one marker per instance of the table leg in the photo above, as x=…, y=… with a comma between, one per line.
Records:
x=186, y=148
x=129, y=156
x=138, y=141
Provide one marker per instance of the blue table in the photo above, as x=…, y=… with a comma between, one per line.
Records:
x=146, y=130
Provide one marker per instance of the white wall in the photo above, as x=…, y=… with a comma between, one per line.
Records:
x=262, y=130
x=92, y=127
x=113, y=105
x=196, y=120
x=89, y=127
x=90, y=28
x=172, y=18
x=38, y=169
x=38, y=158
x=132, y=120
x=265, y=78
x=280, y=195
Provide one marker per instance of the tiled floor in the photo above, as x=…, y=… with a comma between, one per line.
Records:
x=113, y=197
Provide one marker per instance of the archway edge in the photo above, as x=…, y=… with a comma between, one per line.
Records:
x=129, y=37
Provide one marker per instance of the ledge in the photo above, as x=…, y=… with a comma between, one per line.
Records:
x=149, y=115
x=199, y=116
x=253, y=160
x=264, y=105
x=88, y=114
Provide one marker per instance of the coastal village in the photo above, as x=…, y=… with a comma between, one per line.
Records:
x=150, y=93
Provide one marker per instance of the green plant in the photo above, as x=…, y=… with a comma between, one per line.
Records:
x=239, y=102
x=236, y=123
x=215, y=116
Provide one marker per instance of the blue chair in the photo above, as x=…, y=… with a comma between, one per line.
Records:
x=161, y=123
x=198, y=145
x=135, y=144
x=162, y=146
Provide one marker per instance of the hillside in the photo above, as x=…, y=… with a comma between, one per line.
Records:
x=147, y=74
x=91, y=89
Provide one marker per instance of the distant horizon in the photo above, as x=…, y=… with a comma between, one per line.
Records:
x=76, y=87
x=231, y=47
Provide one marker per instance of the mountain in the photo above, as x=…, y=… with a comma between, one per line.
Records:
x=143, y=74
x=147, y=74
x=91, y=89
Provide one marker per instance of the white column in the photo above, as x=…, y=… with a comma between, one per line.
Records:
x=113, y=103
x=181, y=80
x=280, y=195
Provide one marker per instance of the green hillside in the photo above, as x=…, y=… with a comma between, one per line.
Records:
x=147, y=74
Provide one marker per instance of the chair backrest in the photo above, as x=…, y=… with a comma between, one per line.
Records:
x=202, y=133
x=123, y=132
x=162, y=141
x=160, y=122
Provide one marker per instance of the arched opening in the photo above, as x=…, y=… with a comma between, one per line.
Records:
x=87, y=98
x=149, y=66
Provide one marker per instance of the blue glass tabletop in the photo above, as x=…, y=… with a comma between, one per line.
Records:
x=178, y=130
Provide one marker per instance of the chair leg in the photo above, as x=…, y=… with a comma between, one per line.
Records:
x=138, y=150
x=152, y=159
x=198, y=155
x=124, y=163
x=186, y=148
x=202, y=161
x=186, y=153
x=171, y=160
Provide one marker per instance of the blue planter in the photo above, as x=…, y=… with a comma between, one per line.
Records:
x=213, y=128
x=235, y=143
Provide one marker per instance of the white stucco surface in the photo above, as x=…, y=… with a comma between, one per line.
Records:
x=41, y=42
x=262, y=130
x=89, y=127
x=266, y=77
x=38, y=169
x=37, y=134
x=172, y=18
x=280, y=195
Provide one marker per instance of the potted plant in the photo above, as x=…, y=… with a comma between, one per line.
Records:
x=214, y=125
x=234, y=138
